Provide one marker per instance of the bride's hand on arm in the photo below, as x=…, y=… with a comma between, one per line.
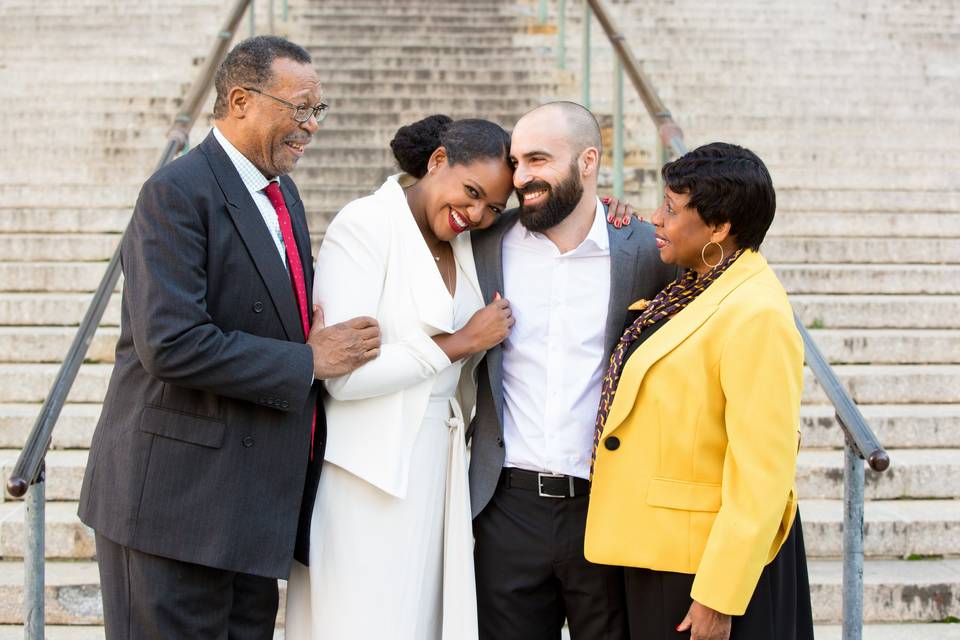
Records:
x=486, y=329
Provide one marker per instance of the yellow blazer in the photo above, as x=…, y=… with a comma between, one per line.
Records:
x=695, y=470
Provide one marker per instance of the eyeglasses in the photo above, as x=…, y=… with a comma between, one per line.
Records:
x=301, y=113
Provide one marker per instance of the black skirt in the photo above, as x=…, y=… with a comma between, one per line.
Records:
x=657, y=601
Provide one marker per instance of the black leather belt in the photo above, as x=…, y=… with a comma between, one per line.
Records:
x=547, y=485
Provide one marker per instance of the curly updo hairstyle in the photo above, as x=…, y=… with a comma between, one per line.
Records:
x=464, y=140
x=726, y=183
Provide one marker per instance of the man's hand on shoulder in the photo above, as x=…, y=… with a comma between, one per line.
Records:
x=343, y=347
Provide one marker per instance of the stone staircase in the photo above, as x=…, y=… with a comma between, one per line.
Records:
x=853, y=108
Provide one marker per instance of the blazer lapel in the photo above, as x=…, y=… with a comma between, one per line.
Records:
x=488, y=254
x=623, y=274
x=674, y=332
x=246, y=217
x=434, y=307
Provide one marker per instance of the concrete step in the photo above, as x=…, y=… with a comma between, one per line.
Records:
x=65, y=536
x=913, y=474
x=835, y=311
x=905, y=426
x=50, y=344
x=64, y=473
x=863, y=279
x=31, y=382
x=903, y=201
x=71, y=596
x=74, y=428
x=51, y=276
x=890, y=384
x=862, y=250
x=888, y=226
x=56, y=309
x=53, y=247
x=892, y=528
x=888, y=346
x=894, y=590
x=75, y=221
x=894, y=631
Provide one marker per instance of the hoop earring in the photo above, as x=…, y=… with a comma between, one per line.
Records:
x=704, y=257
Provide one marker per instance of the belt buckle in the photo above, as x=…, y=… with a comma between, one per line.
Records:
x=540, y=491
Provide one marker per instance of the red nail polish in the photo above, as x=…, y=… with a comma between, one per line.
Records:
x=678, y=628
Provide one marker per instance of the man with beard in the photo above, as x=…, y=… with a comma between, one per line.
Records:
x=208, y=450
x=569, y=277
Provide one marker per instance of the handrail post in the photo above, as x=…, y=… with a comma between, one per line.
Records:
x=585, y=56
x=270, y=18
x=617, y=128
x=853, y=483
x=33, y=559
x=542, y=12
x=562, y=35
x=253, y=18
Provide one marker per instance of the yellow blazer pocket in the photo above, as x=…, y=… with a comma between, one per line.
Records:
x=680, y=494
x=186, y=427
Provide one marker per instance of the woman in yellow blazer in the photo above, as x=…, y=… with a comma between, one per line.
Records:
x=696, y=445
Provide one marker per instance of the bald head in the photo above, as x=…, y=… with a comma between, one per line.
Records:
x=569, y=121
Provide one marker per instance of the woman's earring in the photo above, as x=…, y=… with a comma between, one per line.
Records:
x=703, y=255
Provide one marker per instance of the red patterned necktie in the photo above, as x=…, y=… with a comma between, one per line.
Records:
x=296, y=271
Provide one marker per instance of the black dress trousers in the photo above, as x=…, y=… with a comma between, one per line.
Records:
x=531, y=573
x=657, y=601
x=146, y=597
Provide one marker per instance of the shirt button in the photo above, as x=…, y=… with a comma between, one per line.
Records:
x=257, y=306
x=247, y=441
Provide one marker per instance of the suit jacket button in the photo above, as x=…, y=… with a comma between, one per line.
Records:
x=257, y=306
x=247, y=441
x=284, y=404
x=500, y=442
x=612, y=443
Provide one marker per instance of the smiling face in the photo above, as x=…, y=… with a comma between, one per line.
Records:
x=682, y=234
x=271, y=139
x=547, y=174
x=462, y=197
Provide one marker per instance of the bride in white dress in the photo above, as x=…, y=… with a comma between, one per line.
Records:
x=391, y=543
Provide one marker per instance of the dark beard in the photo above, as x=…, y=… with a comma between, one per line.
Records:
x=561, y=201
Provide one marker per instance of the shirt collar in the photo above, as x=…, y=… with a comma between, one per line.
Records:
x=598, y=234
x=252, y=179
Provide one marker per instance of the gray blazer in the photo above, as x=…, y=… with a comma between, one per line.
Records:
x=201, y=452
x=635, y=272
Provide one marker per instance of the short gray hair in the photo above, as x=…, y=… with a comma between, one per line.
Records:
x=250, y=63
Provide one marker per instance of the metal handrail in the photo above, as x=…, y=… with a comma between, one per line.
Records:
x=861, y=443
x=27, y=468
x=27, y=477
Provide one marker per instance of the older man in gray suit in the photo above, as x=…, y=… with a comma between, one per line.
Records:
x=207, y=453
x=569, y=277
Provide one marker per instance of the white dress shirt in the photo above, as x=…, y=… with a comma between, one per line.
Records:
x=553, y=360
x=255, y=182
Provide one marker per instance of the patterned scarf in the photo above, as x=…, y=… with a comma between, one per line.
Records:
x=668, y=303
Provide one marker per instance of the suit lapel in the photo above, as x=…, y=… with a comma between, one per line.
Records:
x=246, y=218
x=674, y=332
x=488, y=254
x=623, y=274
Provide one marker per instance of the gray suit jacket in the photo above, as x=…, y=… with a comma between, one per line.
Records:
x=201, y=452
x=635, y=272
